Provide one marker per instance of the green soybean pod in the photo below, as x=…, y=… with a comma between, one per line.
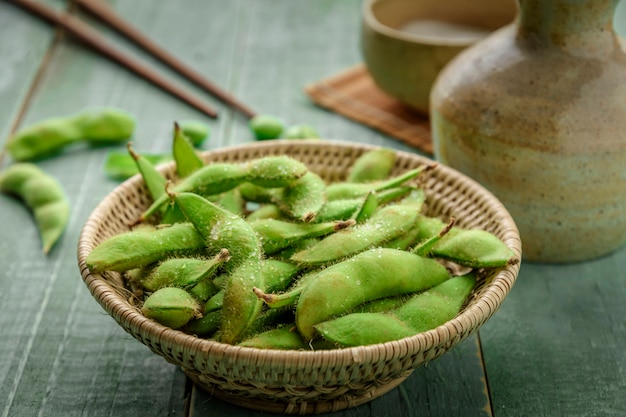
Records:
x=183, y=272
x=44, y=197
x=197, y=132
x=187, y=160
x=105, y=125
x=343, y=190
x=121, y=166
x=216, y=178
x=204, y=326
x=301, y=131
x=421, y=312
x=374, y=165
x=275, y=234
x=266, y=211
x=474, y=248
x=386, y=224
x=266, y=126
x=437, y=305
x=274, y=171
x=223, y=229
x=154, y=180
x=138, y=248
x=43, y=139
x=172, y=307
x=362, y=329
x=370, y=275
x=281, y=338
x=304, y=198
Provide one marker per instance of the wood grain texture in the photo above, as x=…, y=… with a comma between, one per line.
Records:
x=556, y=347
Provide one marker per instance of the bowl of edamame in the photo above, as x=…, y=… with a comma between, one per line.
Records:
x=299, y=277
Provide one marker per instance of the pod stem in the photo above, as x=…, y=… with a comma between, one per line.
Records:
x=425, y=247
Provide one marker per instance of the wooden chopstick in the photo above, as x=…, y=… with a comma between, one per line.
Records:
x=104, y=12
x=93, y=39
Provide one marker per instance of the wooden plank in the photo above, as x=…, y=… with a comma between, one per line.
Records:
x=61, y=355
x=22, y=55
x=556, y=347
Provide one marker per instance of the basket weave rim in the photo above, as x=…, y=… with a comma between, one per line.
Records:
x=468, y=320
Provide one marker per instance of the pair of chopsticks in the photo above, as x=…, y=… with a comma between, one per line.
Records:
x=93, y=39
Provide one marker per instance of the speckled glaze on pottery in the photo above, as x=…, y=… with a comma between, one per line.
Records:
x=537, y=114
x=404, y=63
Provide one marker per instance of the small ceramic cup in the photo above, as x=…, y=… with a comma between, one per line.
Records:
x=405, y=43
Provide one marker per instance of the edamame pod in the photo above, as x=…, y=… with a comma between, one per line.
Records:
x=43, y=195
x=155, y=182
x=473, y=248
x=282, y=338
x=50, y=136
x=195, y=130
x=183, y=272
x=220, y=228
x=423, y=311
x=266, y=126
x=138, y=248
x=276, y=234
x=386, y=224
x=374, y=165
x=172, y=307
x=216, y=178
x=304, y=198
x=121, y=166
x=343, y=190
x=187, y=160
x=370, y=275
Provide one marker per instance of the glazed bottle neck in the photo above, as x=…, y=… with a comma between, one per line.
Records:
x=583, y=27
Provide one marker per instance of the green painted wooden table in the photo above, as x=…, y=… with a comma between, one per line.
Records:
x=555, y=348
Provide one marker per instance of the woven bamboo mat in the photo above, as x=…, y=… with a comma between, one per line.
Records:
x=353, y=94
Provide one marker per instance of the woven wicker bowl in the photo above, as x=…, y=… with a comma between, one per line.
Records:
x=299, y=382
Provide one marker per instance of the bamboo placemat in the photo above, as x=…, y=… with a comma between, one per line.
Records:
x=353, y=94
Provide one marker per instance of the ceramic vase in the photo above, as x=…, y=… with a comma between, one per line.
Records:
x=537, y=114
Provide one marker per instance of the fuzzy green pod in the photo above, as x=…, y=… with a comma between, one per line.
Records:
x=43, y=139
x=204, y=326
x=304, y=198
x=266, y=211
x=370, y=275
x=184, y=153
x=275, y=234
x=138, y=248
x=99, y=126
x=197, y=132
x=473, y=248
x=43, y=195
x=386, y=224
x=281, y=338
x=172, y=307
x=216, y=178
x=343, y=190
x=222, y=229
x=154, y=180
x=362, y=329
x=121, y=166
x=374, y=165
x=183, y=272
x=274, y=171
x=105, y=125
x=301, y=131
x=266, y=126
x=421, y=312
